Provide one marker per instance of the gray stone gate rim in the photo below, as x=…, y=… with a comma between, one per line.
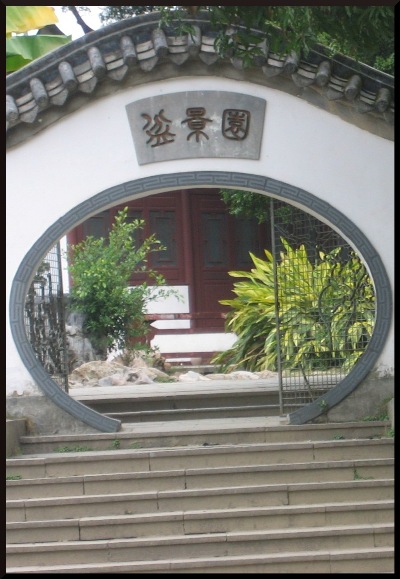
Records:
x=325, y=148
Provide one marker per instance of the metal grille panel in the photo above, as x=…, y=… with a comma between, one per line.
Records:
x=325, y=305
x=44, y=318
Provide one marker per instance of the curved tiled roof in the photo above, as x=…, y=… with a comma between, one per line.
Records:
x=124, y=53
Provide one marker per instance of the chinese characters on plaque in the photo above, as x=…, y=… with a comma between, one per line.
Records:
x=197, y=124
x=235, y=125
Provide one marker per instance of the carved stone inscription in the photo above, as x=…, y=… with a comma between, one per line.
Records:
x=197, y=124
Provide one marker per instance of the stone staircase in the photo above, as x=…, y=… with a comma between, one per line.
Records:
x=238, y=495
x=190, y=401
x=175, y=402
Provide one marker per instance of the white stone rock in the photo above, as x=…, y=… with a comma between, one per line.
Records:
x=191, y=376
x=243, y=375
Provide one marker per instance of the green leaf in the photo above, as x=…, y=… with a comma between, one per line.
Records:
x=21, y=50
x=20, y=19
x=326, y=312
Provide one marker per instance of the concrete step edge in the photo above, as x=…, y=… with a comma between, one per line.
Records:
x=215, y=513
x=115, y=454
x=211, y=410
x=286, y=487
x=169, y=565
x=210, y=426
x=194, y=471
x=230, y=536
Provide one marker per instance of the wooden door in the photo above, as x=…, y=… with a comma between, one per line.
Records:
x=221, y=243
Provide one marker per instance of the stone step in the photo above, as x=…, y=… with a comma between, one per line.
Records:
x=202, y=394
x=208, y=495
x=136, y=460
x=202, y=545
x=362, y=560
x=205, y=521
x=177, y=398
x=197, y=478
x=197, y=413
x=115, y=504
x=205, y=432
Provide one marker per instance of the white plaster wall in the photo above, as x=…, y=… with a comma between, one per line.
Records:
x=92, y=149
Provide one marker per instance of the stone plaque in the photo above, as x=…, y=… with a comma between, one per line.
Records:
x=196, y=124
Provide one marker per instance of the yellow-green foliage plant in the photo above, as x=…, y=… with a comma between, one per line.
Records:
x=326, y=312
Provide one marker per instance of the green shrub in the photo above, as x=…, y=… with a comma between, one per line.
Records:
x=326, y=312
x=101, y=269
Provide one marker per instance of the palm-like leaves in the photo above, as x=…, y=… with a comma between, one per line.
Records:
x=22, y=49
x=326, y=312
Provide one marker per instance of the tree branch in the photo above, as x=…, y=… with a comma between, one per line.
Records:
x=80, y=20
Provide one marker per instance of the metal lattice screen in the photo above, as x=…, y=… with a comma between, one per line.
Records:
x=45, y=318
x=325, y=305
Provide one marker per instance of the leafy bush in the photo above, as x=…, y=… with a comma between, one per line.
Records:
x=101, y=270
x=326, y=312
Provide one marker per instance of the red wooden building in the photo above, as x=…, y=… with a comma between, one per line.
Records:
x=204, y=242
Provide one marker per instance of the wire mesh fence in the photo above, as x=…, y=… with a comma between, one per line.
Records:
x=325, y=305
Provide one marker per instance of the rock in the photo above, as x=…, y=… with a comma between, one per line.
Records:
x=104, y=373
x=267, y=374
x=107, y=381
x=113, y=380
x=115, y=373
x=243, y=375
x=95, y=370
x=80, y=349
x=138, y=358
x=140, y=376
x=192, y=377
x=71, y=330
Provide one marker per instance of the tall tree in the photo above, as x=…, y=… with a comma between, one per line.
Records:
x=365, y=33
x=79, y=20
